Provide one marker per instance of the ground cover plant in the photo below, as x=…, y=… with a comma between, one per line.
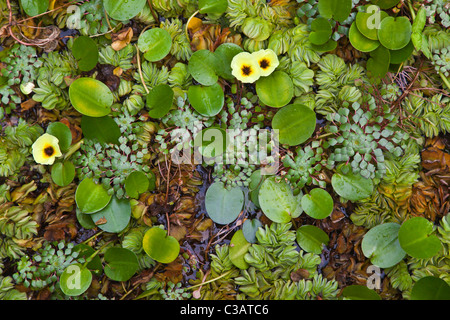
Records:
x=224, y=150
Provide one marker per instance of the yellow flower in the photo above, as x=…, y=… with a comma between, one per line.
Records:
x=245, y=68
x=46, y=149
x=267, y=61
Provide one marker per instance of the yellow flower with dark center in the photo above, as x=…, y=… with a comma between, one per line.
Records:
x=46, y=149
x=245, y=68
x=267, y=61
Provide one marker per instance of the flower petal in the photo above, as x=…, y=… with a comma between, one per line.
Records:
x=245, y=68
x=267, y=61
x=45, y=149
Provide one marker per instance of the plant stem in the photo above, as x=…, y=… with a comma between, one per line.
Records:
x=73, y=149
x=445, y=80
x=211, y=280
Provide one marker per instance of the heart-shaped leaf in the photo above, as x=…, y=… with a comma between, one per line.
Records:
x=136, y=183
x=368, y=21
x=277, y=201
x=225, y=54
x=295, y=124
x=321, y=31
x=311, y=238
x=160, y=246
x=160, y=100
x=399, y=56
x=91, y=97
x=155, y=43
x=416, y=238
x=114, y=217
x=223, y=206
x=359, y=41
x=91, y=197
x=249, y=228
x=123, y=10
x=121, y=264
x=63, y=173
x=318, y=203
x=75, y=280
x=338, y=10
x=202, y=66
x=85, y=50
x=395, y=33
x=102, y=129
x=238, y=249
x=275, y=90
x=62, y=132
x=381, y=245
x=353, y=187
x=378, y=63
x=385, y=4
x=207, y=100
x=88, y=253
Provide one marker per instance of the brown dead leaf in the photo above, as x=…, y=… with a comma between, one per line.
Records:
x=122, y=38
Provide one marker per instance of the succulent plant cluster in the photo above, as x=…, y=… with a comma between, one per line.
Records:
x=21, y=65
x=15, y=142
x=110, y=164
x=305, y=166
x=44, y=268
x=438, y=9
x=441, y=61
x=361, y=133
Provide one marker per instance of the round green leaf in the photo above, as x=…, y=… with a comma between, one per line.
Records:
x=223, y=206
x=338, y=10
x=206, y=100
x=359, y=41
x=277, y=201
x=249, y=228
x=62, y=132
x=368, y=23
x=123, y=10
x=321, y=31
x=155, y=43
x=224, y=55
x=91, y=97
x=102, y=129
x=311, y=238
x=202, y=66
x=350, y=186
x=160, y=246
x=395, y=33
x=430, y=288
x=238, y=249
x=296, y=124
x=275, y=90
x=381, y=245
x=416, y=238
x=121, y=264
x=85, y=50
x=63, y=173
x=136, y=183
x=358, y=292
x=75, y=280
x=85, y=220
x=330, y=45
x=114, y=217
x=212, y=6
x=34, y=7
x=91, y=197
x=159, y=100
x=318, y=204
